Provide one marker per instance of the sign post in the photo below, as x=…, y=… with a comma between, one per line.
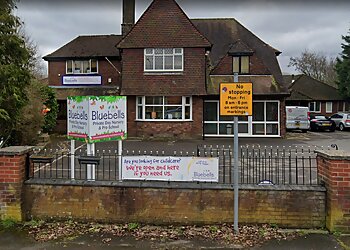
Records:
x=236, y=100
x=95, y=119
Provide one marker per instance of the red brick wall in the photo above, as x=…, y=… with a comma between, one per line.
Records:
x=184, y=129
x=283, y=118
x=256, y=66
x=57, y=69
x=12, y=174
x=189, y=82
x=302, y=208
x=334, y=173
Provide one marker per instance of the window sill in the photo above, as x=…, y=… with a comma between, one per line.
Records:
x=163, y=73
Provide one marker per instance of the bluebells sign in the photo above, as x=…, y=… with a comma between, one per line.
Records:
x=96, y=118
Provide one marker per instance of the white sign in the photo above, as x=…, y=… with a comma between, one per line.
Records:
x=81, y=80
x=170, y=168
x=96, y=118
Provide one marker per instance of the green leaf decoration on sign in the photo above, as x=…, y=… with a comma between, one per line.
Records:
x=78, y=99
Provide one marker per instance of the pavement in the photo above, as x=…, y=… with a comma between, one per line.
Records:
x=312, y=241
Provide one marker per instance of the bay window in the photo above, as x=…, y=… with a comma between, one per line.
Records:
x=81, y=66
x=163, y=59
x=169, y=108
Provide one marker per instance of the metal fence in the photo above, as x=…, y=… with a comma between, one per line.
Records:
x=258, y=165
x=49, y=164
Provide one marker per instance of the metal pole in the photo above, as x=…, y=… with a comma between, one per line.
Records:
x=88, y=166
x=235, y=168
x=72, y=153
x=120, y=151
x=93, y=173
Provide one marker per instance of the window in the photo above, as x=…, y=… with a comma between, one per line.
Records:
x=240, y=64
x=315, y=107
x=329, y=107
x=81, y=66
x=166, y=59
x=264, y=122
x=169, y=108
x=265, y=118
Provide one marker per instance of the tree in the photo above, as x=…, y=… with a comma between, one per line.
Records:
x=342, y=68
x=22, y=96
x=316, y=65
x=14, y=69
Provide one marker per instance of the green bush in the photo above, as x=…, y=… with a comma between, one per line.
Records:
x=50, y=117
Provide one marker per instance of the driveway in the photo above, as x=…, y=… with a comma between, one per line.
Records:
x=293, y=139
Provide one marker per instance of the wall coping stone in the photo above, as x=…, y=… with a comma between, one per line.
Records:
x=171, y=185
x=16, y=150
x=334, y=154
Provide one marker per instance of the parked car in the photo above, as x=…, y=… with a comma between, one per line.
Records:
x=297, y=118
x=321, y=122
x=342, y=120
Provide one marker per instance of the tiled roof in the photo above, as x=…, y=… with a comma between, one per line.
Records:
x=307, y=88
x=240, y=48
x=88, y=46
x=63, y=92
x=164, y=24
x=262, y=84
x=225, y=32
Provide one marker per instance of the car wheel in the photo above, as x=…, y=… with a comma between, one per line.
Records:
x=341, y=127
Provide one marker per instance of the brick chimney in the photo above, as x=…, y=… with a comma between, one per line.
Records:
x=128, y=16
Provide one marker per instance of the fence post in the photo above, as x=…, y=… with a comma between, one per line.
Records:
x=13, y=162
x=334, y=172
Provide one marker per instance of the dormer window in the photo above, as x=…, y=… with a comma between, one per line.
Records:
x=81, y=66
x=240, y=64
x=163, y=59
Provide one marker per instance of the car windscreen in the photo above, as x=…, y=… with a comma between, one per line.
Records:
x=320, y=117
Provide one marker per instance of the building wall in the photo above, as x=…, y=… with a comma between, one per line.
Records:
x=256, y=66
x=189, y=82
x=286, y=207
x=337, y=106
x=169, y=129
x=57, y=69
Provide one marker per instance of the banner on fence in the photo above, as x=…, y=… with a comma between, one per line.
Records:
x=170, y=168
x=96, y=118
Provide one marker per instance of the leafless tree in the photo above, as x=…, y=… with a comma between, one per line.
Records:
x=316, y=65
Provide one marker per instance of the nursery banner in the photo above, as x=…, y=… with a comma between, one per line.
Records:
x=170, y=168
x=96, y=118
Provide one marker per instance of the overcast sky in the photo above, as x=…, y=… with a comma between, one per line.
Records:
x=289, y=26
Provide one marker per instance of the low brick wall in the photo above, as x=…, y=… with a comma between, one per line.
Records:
x=302, y=207
x=12, y=175
x=334, y=171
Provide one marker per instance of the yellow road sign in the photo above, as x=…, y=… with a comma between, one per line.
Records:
x=236, y=99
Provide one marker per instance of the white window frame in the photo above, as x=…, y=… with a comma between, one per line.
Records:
x=81, y=67
x=250, y=122
x=329, y=109
x=315, y=111
x=163, y=54
x=144, y=105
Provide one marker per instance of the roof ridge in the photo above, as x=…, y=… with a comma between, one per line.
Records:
x=320, y=81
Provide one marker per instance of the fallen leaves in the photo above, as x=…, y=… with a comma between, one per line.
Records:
x=249, y=235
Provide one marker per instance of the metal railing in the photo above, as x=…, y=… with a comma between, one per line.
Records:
x=258, y=165
x=49, y=164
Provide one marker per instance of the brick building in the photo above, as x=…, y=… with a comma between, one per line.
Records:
x=320, y=97
x=170, y=68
